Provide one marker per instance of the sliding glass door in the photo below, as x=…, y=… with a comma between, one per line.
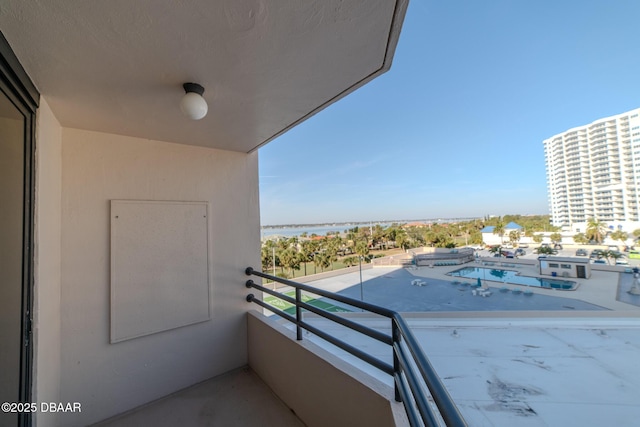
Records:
x=18, y=103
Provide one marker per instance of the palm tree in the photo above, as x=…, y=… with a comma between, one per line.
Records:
x=495, y=249
x=350, y=261
x=442, y=240
x=538, y=238
x=290, y=259
x=362, y=249
x=402, y=241
x=615, y=255
x=322, y=260
x=499, y=230
x=596, y=230
x=306, y=251
x=332, y=249
x=377, y=236
x=514, y=237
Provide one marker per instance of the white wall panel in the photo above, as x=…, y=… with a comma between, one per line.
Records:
x=159, y=267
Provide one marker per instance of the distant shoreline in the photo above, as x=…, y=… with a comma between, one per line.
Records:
x=351, y=224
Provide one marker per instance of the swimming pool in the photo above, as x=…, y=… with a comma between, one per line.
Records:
x=512, y=277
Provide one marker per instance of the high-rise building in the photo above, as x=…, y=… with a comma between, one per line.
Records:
x=593, y=171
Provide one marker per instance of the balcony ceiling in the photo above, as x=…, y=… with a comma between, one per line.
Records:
x=117, y=66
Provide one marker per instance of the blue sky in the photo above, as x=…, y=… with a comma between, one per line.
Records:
x=455, y=128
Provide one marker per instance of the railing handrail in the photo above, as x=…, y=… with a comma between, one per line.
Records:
x=407, y=388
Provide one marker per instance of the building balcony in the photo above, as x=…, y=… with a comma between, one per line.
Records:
x=287, y=383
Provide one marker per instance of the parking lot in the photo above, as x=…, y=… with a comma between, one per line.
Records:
x=566, y=251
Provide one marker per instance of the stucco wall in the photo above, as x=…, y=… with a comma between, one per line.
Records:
x=96, y=167
x=47, y=236
x=321, y=389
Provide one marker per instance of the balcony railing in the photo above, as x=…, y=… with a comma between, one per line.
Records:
x=411, y=368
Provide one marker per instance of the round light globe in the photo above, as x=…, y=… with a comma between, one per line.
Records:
x=193, y=106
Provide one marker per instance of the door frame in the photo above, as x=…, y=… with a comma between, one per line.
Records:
x=17, y=86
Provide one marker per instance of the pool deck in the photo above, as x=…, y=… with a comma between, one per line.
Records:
x=550, y=359
x=600, y=289
x=391, y=287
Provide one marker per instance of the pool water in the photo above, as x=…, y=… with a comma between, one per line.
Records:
x=512, y=277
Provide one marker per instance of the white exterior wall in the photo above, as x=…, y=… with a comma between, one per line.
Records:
x=594, y=171
x=79, y=172
x=490, y=239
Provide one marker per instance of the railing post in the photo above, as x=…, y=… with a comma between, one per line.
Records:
x=298, y=314
x=395, y=333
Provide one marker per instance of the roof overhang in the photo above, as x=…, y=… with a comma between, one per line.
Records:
x=118, y=66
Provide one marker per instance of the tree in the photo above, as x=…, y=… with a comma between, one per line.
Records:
x=556, y=237
x=416, y=236
x=442, y=240
x=332, y=247
x=290, y=259
x=266, y=256
x=362, y=249
x=322, y=260
x=402, y=241
x=615, y=255
x=545, y=250
x=306, y=253
x=580, y=239
x=350, y=261
x=620, y=236
x=499, y=230
x=538, y=238
x=596, y=230
x=377, y=238
x=495, y=249
x=514, y=237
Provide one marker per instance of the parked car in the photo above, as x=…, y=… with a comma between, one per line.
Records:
x=598, y=261
x=613, y=248
x=596, y=253
x=582, y=252
x=523, y=245
x=520, y=252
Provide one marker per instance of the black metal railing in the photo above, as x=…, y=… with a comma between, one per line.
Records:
x=411, y=369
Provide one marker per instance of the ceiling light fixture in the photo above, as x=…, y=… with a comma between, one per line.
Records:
x=193, y=104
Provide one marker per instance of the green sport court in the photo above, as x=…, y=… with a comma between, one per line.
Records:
x=290, y=308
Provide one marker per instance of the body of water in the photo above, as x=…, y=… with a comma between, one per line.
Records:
x=312, y=229
x=512, y=277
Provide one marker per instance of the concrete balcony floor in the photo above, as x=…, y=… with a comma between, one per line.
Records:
x=238, y=398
